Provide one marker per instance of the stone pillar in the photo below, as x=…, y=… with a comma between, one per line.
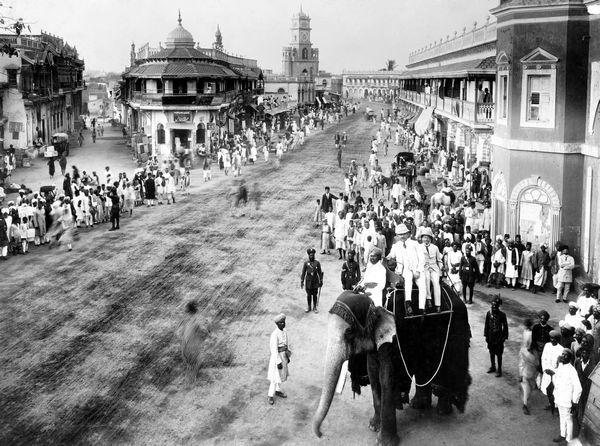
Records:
x=511, y=224
x=555, y=234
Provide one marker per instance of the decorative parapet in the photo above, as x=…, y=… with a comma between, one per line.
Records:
x=460, y=41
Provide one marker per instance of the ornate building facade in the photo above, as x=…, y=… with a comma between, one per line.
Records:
x=41, y=89
x=536, y=125
x=181, y=94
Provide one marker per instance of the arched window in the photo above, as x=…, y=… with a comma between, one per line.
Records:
x=535, y=224
x=304, y=53
x=160, y=134
x=281, y=91
x=200, y=134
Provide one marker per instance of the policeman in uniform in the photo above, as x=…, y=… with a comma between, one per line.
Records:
x=312, y=276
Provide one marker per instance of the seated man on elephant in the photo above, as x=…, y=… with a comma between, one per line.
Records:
x=374, y=280
x=409, y=264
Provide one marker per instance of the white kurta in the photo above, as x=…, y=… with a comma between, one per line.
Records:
x=374, y=281
x=512, y=271
x=549, y=361
x=279, y=338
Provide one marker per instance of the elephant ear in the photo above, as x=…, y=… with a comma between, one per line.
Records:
x=385, y=326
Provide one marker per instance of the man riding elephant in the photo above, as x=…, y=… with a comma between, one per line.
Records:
x=432, y=350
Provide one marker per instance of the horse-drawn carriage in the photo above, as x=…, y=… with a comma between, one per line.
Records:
x=403, y=162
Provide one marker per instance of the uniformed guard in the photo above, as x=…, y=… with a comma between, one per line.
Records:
x=312, y=276
x=350, y=272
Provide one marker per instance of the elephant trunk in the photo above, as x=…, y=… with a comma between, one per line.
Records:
x=336, y=355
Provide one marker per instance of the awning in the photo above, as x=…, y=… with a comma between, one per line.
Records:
x=423, y=122
x=414, y=118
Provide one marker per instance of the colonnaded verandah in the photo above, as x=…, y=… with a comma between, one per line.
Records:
x=384, y=240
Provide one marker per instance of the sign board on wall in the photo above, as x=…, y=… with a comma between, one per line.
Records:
x=182, y=117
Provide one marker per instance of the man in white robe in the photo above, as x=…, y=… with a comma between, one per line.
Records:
x=375, y=277
x=280, y=357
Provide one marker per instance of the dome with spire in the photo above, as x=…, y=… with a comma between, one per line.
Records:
x=179, y=37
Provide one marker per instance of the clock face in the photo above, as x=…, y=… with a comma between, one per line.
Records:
x=304, y=36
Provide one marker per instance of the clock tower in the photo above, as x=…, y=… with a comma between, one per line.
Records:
x=300, y=59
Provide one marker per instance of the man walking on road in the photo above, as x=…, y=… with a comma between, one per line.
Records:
x=312, y=276
x=62, y=162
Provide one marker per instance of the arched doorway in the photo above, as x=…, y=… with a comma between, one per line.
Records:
x=533, y=222
x=536, y=211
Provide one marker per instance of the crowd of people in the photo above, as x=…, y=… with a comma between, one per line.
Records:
x=425, y=242
x=90, y=198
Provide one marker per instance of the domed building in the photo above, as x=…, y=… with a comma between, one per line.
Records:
x=179, y=95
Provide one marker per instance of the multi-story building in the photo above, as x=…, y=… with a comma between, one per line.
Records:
x=181, y=93
x=535, y=124
x=40, y=88
x=370, y=84
x=300, y=65
x=96, y=98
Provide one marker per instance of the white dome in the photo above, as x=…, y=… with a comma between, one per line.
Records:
x=179, y=37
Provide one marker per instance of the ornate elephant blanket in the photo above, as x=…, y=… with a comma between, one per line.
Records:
x=434, y=342
x=358, y=311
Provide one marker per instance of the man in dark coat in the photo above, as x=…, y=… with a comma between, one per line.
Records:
x=3, y=234
x=584, y=365
x=350, y=272
x=327, y=200
x=150, y=187
x=468, y=271
x=540, y=333
x=312, y=276
x=495, y=333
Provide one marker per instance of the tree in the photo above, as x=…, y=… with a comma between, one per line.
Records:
x=16, y=26
x=390, y=65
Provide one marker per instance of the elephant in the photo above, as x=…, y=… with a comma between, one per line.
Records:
x=432, y=348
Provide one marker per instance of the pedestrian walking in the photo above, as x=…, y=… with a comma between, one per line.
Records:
x=62, y=162
x=495, y=332
x=528, y=364
x=279, y=346
x=311, y=280
x=550, y=355
x=51, y=167
x=468, y=273
x=567, y=391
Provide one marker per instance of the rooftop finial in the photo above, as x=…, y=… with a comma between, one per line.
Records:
x=179, y=19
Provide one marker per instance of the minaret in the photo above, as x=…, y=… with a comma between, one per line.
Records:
x=218, y=45
x=132, y=54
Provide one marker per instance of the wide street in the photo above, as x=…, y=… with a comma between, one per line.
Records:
x=91, y=357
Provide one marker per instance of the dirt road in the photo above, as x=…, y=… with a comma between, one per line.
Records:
x=89, y=354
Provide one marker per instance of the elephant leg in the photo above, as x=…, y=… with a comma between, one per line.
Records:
x=373, y=370
x=444, y=405
x=422, y=398
x=388, y=436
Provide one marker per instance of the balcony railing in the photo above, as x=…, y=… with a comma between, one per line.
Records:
x=192, y=98
x=481, y=113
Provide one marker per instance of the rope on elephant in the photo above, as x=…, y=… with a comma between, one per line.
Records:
x=443, y=350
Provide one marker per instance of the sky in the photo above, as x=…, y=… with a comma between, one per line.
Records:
x=350, y=34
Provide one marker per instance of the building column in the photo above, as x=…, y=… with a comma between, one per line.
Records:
x=555, y=235
x=511, y=219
